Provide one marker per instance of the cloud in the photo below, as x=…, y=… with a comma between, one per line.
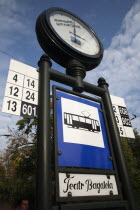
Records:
x=15, y=32
x=121, y=63
x=14, y=26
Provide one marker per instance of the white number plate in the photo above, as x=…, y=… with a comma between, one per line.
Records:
x=21, y=94
x=122, y=117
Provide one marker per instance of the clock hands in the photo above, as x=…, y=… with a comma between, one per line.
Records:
x=78, y=36
x=74, y=39
x=74, y=31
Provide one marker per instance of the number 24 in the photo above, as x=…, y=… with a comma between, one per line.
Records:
x=30, y=96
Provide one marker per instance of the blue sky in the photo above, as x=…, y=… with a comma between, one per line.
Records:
x=115, y=21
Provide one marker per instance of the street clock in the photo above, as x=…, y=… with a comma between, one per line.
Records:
x=64, y=37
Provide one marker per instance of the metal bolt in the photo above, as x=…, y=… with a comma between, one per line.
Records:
x=57, y=98
x=110, y=158
x=59, y=153
x=111, y=192
x=67, y=175
x=69, y=194
x=108, y=176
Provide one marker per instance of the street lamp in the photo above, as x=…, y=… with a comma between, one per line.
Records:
x=31, y=143
x=6, y=135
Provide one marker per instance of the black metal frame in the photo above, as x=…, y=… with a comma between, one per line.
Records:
x=44, y=153
x=116, y=205
x=82, y=170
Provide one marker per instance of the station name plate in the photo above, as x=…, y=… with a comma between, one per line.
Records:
x=87, y=185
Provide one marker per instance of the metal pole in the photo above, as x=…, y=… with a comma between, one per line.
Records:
x=116, y=142
x=43, y=179
x=78, y=71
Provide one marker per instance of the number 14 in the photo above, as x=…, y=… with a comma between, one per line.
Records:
x=31, y=83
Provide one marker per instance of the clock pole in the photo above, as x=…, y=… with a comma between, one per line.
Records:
x=77, y=70
x=43, y=179
x=116, y=142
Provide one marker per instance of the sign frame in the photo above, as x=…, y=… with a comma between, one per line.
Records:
x=117, y=205
x=76, y=170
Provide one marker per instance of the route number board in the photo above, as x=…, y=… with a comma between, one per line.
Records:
x=122, y=117
x=21, y=94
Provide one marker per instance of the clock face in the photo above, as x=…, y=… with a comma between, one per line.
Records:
x=65, y=37
x=74, y=32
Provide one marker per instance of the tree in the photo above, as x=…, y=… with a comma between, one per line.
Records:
x=18, y=165
x=131, y=151
x=135, y=146
x=2, y=179
x=19, y=162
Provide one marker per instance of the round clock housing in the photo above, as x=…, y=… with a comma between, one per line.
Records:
x=64, y=37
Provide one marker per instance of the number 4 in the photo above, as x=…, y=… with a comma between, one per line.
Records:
x=15, y=78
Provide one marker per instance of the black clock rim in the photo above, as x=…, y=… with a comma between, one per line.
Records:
x=49, y=12
x=46, y=35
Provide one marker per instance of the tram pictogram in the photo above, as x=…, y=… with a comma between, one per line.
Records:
x=81, y=122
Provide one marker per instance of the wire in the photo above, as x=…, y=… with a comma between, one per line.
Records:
x=135, y=116
x=14, y=57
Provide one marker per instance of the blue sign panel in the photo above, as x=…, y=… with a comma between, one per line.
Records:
x=81, y=133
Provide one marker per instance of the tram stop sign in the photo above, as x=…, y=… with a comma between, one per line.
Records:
x=81, y=133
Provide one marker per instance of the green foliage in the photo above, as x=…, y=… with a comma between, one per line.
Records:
x=19, y=164
x=135, y=147
x=131, y=149
x=27, y=125
x=2, y=179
